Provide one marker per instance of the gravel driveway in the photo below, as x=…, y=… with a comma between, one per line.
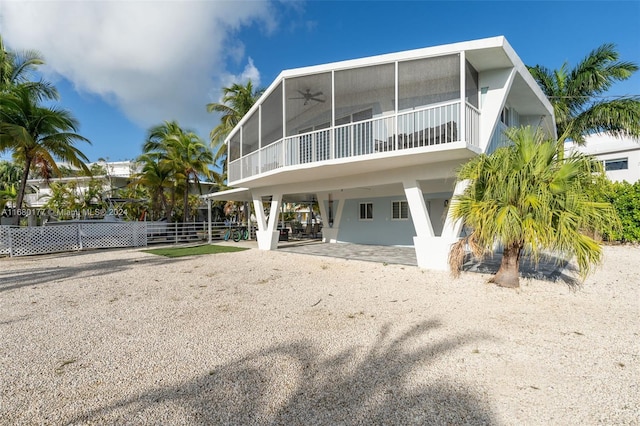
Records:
x=255, y=337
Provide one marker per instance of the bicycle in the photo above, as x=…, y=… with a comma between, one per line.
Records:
x=241, y=233
x=230, y=231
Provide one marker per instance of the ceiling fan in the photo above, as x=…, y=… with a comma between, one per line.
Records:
x=308, y=96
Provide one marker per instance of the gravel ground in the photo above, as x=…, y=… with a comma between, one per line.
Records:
x=255, y=337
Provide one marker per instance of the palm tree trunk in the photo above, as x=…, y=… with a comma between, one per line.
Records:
x=185, y=200
x=21, y=191
x=173, y=204
x=509, y=273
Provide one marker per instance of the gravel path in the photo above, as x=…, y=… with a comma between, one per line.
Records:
x=255, y=337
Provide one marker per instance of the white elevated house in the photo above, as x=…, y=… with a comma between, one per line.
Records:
x=620, y=156
x=117, y=175
x=377, y=141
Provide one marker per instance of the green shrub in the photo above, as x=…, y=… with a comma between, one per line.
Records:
x=625, y=198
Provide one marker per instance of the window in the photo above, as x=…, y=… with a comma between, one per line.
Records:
x=399, y=210
x=617, y=164
x=504, y=117
x=366, y=211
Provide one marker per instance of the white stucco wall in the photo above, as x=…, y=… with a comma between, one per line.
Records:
x=605, y=147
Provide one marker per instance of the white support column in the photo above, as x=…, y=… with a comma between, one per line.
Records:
x=330, y=232
x=267, y=234
x=451, y=229
x=418, y=208
x=322, y=198
x=431, y=252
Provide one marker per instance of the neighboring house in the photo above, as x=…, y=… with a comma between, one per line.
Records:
x=620, y=156
x=377, y=141
x=117, y=175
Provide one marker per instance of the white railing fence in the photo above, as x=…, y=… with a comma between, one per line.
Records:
x=177, y=232
x=68, y=236
x=433, y=125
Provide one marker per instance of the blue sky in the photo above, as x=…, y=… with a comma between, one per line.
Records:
x=123, y=66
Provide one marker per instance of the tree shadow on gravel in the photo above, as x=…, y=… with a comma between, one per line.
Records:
x=297, y=383
x=23, y=277
x=549, y=268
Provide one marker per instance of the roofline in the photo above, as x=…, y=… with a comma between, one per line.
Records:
x=522, y=69
x=422, y=52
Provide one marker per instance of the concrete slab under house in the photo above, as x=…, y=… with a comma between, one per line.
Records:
x=377, y=142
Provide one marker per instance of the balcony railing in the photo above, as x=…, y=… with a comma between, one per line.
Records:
x=431, y=126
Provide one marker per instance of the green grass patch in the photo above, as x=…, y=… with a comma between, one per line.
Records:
x=194, y=251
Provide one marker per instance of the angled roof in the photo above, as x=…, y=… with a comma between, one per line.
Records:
x=484, y=54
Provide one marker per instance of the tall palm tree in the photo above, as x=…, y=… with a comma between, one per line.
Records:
x=237, y=100
x=182, y=152
x=577, y=96
x=17, y=67
x=157, y=178
x=526, y=198
x=38, y=135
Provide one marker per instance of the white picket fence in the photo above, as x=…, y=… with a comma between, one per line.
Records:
x=25, y=241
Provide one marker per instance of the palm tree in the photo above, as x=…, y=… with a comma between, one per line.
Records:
x=17, y=67
x=527, y=199
x=7, y=194
x=38, y=135
x=237, y=100
x=182, y=152
x=577, y=96
x=157, y=178
x=10, y=174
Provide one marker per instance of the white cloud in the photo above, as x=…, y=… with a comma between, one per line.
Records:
x=156, y=61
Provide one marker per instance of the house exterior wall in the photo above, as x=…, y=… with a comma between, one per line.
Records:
x=609, y=149
x=389, y=128
x=383, y=229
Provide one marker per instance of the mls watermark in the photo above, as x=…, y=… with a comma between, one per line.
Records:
x=73, y=213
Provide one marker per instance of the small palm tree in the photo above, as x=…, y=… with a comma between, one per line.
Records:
x=38, y=135
x=7, y=194
x=237, y=100
x=10, y=174
x=577, y=96
x=526, y=198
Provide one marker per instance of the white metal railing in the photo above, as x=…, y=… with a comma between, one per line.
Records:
x=472, y=122
x=364, y=137
x=307, y=148
x=433, y=125
x=183, y=232
x=429, y=126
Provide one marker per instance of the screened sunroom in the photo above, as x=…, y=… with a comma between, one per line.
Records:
x=334, y=114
